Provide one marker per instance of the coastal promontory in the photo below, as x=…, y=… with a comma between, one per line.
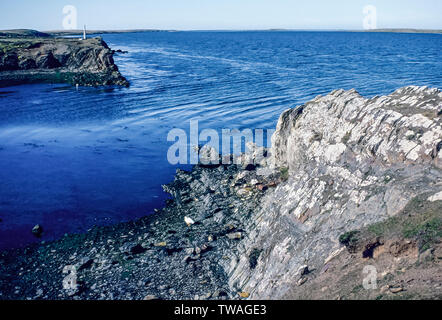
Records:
x=28, y=56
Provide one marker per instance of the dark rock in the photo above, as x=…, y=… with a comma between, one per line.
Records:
x=137, y=249
x=47, y=61
x=370, y=247
x=205, y=248
x=253, y=258
x=37, y=230
x=303, y=270
x=172, y=250
x=26, y=64
x=250, y=167
x=85, y=263
x=8, y=62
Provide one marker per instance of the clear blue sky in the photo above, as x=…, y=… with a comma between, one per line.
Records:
x=220, y=14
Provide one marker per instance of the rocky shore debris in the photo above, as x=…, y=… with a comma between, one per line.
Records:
x=189, y=221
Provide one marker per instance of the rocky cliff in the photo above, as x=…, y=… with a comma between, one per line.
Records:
x=350, y=183
x=352, y=162
x=33, y=58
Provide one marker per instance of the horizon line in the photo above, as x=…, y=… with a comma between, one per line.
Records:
x=91, y=31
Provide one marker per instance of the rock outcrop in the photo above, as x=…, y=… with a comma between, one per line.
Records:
x=350, y=182
x=352, y=162
x=34, y=59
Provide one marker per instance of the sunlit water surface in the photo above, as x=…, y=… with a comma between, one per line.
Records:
x=71, y=159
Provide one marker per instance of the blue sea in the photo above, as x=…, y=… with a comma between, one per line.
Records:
x=71, y=159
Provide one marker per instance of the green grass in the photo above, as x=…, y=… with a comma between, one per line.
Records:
x=284, y=173
x=421, y=221
x=428, y=233
x=357, y=289
x=349, y=238
x=347, y=137
x=381, y=228
x=13, y=45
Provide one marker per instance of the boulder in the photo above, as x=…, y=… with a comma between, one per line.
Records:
x=37, y=230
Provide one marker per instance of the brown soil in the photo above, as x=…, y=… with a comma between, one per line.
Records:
x=405, y=250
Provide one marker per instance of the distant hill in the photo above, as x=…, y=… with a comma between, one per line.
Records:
x=23, y=33
x=61, y=33
x=406, y=30
x=28, y=33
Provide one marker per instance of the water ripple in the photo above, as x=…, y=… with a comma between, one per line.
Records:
x=74, y=158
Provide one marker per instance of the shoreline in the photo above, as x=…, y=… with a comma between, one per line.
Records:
x=181, y=252
x=317, y=201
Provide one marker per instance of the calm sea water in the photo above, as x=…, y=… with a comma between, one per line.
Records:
x=71, y=159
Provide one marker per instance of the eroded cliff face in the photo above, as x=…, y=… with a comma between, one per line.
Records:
x=83, y=62
x=352, y=162
x=343, y=126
